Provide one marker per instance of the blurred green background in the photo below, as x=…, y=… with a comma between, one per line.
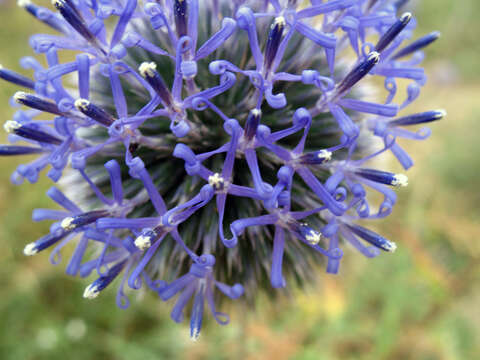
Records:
x=422, y=302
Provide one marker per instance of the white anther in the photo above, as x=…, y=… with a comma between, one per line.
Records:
x=91, y=292
x=82, y=104
x=11, y=125
x=441, y=114
x=67, y=223
x=325, y=154
x=375, y=56
x=390, y=246
x=23, y=3
x=313, y=237
x=216, y=181
x=143, y=242
x=256, y=112
x=30, y=249
x=19, y=95
x=147, y=69
x=280, y=20
x=195, y=334
x=406, y=17
x=400, y=180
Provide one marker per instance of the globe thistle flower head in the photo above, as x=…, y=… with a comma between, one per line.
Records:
x=208, y=148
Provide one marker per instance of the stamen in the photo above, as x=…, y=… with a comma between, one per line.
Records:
x=11, y=125
x=23, y=3
x=393, y=31
x=305, y=232
x=273, y=42
x=94, y=112
x=144, y=241
x=197, y=313
x=417, y=45
x=67, y=223
x=75, y=19
x=180, y=15
x=147, y=69
x=30, y=249
x=382, y=177
x=373, y=238
x=148, y=236
x=252, y=122
x=419, y=118
x=358, y=72
x=44, y=242
x=36, y=102
x=313, y=237
x=26, y=132
x=92, y=290
x=39, y=13
x=316, y=157
x=216, y=181
x=73, y=222
x=400, y=180
x=150, y=73
x=9, y=150
x=15, y=78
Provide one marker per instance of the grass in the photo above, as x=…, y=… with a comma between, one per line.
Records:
x=420, y=303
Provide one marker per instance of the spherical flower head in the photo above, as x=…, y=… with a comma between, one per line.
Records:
x=213, y=143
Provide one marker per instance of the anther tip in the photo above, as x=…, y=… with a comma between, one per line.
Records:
x=11, y=125
x=391, y=246
x=195, y=334
x=147, y=69
x=19, y=95
x=81, y=104
x=374, y=56
x=279, y=20
x=216, y=181
x=312, y=236
x=400, y=180
x=441, y=113
x=325, y=154
x=67, y=223
x=23, y=3
x=256, y=112
x=91, y=292
x=30, y=249
x=405, y=18
x=143, y=242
